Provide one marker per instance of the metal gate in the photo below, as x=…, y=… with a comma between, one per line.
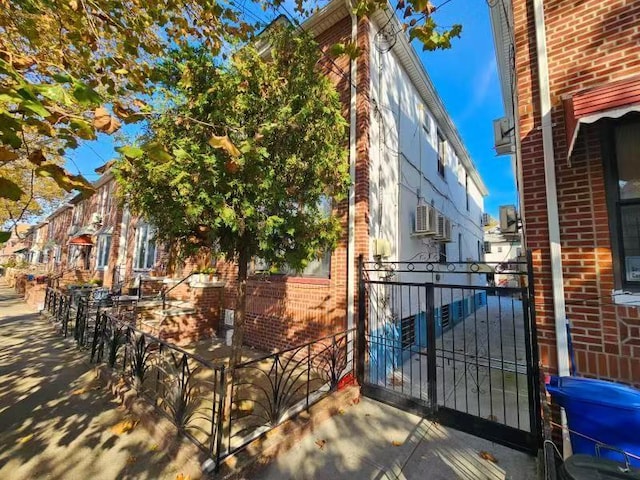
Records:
x=454, y=342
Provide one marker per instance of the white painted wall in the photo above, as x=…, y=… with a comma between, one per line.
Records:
x=404, y=171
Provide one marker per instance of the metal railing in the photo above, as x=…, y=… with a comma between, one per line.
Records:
x=220, y=410
x=165, y=292
x=267, y=391
x=183, y=386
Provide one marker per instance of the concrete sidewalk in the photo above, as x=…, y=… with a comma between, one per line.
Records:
x=370, y=440
x=56, y=420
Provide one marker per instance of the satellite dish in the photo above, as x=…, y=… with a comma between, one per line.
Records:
x=385, y=39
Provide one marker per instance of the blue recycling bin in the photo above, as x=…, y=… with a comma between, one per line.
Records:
x=604, y=411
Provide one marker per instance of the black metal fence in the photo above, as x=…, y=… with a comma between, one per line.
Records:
x=219, y=411
x=445, y=340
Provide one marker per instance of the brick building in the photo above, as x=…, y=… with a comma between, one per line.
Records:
x=570, y=75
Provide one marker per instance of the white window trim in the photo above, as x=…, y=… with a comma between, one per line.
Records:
x=150, y=231
x=100, y=253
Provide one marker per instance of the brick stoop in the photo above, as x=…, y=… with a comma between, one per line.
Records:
x=250, y=461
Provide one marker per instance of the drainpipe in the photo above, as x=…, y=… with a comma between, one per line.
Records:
x=351, y=247
x=557, y=282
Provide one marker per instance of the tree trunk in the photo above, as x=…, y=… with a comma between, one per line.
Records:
x=241, y=306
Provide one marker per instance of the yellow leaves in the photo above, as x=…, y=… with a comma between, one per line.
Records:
x=73, y=5
x=63, y=178
x=7, y=155
x=225, y=143
x=83, y=390
x=487, y=456
x=25, y=439
x=121, y=71
x=124, y=426
x=397, y=443
x=22, y=63
x=182, y=476
x=104, y=122
x=10, y=190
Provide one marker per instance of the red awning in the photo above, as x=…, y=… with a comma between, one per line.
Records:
x=81, y=240
x=612, y=100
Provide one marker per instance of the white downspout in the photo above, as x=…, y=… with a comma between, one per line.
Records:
x=351, y=246
x=557, y=281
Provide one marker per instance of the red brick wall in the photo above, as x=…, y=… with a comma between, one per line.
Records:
x=589, y=43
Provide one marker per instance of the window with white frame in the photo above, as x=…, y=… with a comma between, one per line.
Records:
x=623, y=195
x=104, y=247
x=317, y=268
x=145, y=247
x=442, y=152
x=57, y=256
x=78, y=212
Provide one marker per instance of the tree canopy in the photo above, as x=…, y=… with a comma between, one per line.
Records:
x=243, y=156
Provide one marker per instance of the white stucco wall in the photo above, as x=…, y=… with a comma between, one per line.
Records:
x=404, y=170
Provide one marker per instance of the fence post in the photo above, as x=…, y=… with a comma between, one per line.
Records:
x=431, y=345
x=360, y=340
x=220, y=419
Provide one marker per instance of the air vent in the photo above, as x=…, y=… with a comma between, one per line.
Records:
x=408, y=331
x=446, y=316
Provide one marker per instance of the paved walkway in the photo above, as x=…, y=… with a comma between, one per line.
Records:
x=56, y=422
x=371, y=440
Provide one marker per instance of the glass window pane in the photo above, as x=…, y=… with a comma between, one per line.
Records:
x=628, y=157
x=630, y=219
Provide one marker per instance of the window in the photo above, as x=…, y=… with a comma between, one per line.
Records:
x=442, y=151
x=479, y=251
x=442, y=252
x=466, y=188
x=624, y=198
x=104, y=247
x=408, y=331
x=145, y=247
x=78, y=212
x=460, y=247
x=487, y=247
x=57, y=256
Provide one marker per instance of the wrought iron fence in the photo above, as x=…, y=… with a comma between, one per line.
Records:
x=267, y=391
x=185, y=387
x=219, y=410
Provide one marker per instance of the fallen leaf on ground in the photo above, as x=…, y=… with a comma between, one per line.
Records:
x=493, y=418
x=154, y=447
x=488, y=456
x=124, y=426
x=181, y=476
x=80, y=391
x=341, y=411
x=26, y=438
x=131, y=460
x=396, y=443
x=321, y=443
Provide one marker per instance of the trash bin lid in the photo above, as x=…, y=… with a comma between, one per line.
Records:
x=599, y=392
x=586, y=467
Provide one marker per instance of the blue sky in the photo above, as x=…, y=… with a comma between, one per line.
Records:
x=466, y=79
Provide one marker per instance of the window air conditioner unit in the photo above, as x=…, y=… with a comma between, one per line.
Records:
x=425, y=220
x=443, y=228
x=485, y=219
x=96, y=218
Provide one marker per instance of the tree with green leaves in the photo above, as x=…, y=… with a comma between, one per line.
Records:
x=73, y=69
x=243, y=157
